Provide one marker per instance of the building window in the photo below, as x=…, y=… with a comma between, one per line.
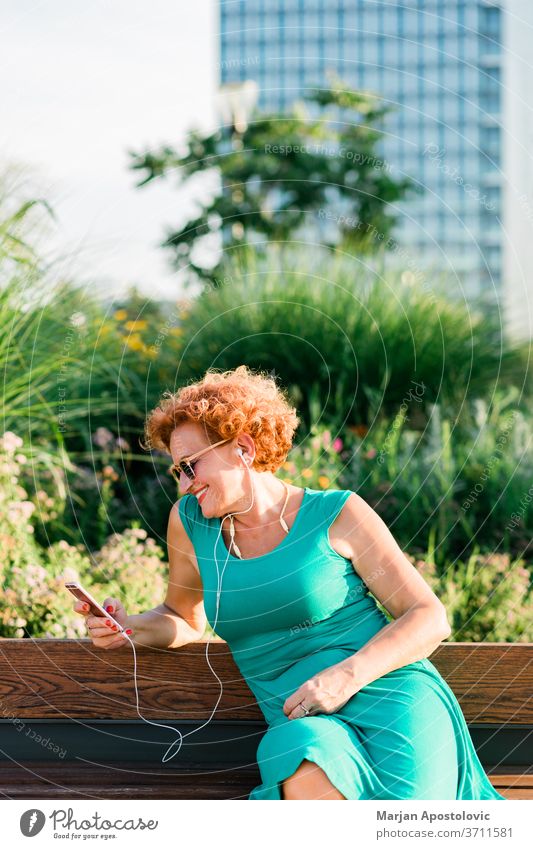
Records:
x=490, y=22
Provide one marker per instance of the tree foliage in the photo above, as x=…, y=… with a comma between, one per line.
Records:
x=283, y=174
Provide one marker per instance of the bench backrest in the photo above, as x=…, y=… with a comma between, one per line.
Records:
x=56, y=679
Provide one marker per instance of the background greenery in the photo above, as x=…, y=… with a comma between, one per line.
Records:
x=407, y=396
x=278, y=175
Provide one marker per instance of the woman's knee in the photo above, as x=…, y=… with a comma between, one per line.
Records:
x=309, y=782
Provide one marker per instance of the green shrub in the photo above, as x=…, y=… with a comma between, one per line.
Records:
x=350, y=337
x=448, y=489
x=487, y=597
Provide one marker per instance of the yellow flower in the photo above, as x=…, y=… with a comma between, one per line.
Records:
x=176, y=331
x=135, y=342
x=286, y=466
x=288, y=480
x=121, y=315
x=307, y=473
x=323, y=481
x=136, y=325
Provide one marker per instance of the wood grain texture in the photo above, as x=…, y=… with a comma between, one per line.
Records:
x=54, y=679
x=122, y=781
x=128, y=781
x=71, y=679
x=493, y=682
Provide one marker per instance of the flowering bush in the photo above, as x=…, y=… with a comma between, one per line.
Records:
x=315, y=464
x=129, y=566
x=487, y=597
x=34, y=602
x=16, y=530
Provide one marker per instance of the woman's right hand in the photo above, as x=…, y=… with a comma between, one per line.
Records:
x=103, y=632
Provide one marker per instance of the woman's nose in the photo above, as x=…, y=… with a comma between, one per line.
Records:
x=185, y=482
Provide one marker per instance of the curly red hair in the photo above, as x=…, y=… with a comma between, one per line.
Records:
x=226, y=404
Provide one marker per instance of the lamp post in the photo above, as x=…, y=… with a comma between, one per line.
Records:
x=236, y=102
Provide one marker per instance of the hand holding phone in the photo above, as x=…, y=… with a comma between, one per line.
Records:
x=106, y=627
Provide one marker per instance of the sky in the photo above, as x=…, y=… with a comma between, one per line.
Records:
x=82, y=84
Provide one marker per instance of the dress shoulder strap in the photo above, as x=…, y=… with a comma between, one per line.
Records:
x=332, y=502
x=326, y=503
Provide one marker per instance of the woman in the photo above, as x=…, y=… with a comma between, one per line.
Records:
x=354, y=708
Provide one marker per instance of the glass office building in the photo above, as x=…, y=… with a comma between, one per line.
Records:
x=439, y=64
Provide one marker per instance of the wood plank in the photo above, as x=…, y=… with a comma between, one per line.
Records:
x=127, y=781
x=123, y=781
x=509, y=776
x=55, y=679
x=518, y=793
x=71, y=679
x=493, y=682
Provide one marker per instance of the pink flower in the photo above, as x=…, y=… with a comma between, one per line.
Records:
x=371, y=453
x=337, y=444
x=10, y=442
x=20, y=508
x=26, y=508
x=103, y=437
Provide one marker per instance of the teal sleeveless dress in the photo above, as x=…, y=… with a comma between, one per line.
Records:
x=301, y=608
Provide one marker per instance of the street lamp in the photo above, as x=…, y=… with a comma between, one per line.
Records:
x=236, y=102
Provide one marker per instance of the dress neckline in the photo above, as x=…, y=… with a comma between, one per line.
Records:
x=272, y=550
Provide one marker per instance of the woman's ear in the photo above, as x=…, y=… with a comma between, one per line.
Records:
x=245, y=448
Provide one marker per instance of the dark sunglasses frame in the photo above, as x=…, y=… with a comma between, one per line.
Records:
x=186, y=467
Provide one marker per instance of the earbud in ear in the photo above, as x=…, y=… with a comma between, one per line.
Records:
x=241, y=455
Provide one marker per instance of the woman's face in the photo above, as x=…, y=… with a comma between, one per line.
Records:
x=218, y=480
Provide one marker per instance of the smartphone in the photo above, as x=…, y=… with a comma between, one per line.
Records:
x=95, y=608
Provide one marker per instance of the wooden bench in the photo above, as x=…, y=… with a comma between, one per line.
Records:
x=69, y=728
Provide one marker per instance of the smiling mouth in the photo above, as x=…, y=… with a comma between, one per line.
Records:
x=200, y=494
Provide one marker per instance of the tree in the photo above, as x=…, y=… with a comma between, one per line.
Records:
x=284, y=173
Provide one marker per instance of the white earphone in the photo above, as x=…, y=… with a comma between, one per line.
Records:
x=179, y=740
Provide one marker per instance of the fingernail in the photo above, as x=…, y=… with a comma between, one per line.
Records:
x=108, y=622
x=128, y=631
x=109, y=608
x=86, y=607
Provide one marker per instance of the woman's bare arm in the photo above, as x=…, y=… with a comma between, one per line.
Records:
x=181, y=618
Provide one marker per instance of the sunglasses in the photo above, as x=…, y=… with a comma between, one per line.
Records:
x=186, y=466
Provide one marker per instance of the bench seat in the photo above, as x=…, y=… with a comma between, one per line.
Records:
x=123, y=780
x=69, y=728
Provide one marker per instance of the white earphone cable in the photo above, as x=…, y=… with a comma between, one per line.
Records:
x=180, y=738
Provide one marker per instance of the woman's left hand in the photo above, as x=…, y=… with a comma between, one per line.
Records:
x=325, y=692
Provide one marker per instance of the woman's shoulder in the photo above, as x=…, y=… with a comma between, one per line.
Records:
x=187, y=508
x=329, y=497
x=185, y=504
